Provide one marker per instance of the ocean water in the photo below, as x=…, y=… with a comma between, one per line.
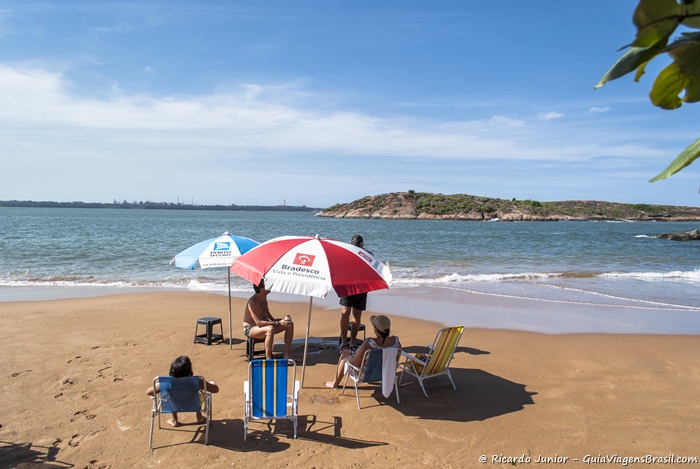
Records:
x=542, y=276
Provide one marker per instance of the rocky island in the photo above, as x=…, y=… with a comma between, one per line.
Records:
x=421, y=205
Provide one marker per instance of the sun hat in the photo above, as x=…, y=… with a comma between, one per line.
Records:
x=381, y=322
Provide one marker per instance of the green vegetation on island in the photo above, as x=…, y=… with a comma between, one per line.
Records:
x=413, y=204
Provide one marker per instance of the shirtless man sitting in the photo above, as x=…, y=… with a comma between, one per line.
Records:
x=258, y=322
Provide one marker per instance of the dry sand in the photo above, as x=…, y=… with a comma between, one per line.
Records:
x=74, y=374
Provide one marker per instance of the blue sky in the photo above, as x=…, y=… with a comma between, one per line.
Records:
x=322, y=102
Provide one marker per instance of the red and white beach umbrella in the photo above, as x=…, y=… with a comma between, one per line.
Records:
x=312, y=266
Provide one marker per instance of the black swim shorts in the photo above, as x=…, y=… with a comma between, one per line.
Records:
x=358, y=301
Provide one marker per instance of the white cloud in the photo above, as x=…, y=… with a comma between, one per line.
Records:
x=86, y=144
x=599, y=109
x=549, y=115
x=253, y=119
x=504, y=120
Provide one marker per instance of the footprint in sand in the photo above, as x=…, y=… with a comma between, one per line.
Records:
x=95, y=464
x=16, y=374
x=79, y=438
x=75, y=440
x=86, y=413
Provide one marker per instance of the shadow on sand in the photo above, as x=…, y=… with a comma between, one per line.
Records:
x=13, y=454
x=479, y=396
x=277, y=435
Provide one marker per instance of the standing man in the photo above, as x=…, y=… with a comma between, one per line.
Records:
x=354, y=305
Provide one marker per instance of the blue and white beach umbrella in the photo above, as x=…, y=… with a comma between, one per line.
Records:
x=216, y=252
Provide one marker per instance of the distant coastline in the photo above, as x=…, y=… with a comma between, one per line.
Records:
x=421, y=205
x=157, y=206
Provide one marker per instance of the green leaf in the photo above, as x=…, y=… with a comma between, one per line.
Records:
x=692, y=12
x=681, y=77
x=656, y=20
x=667, y=86
x=686, y=52
x=640, y=71
x=630, y=61
x=687, y=156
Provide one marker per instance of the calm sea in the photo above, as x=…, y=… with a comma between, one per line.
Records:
x=550, y=277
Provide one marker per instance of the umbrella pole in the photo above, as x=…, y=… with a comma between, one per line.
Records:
x=306, y=341
x=230, y=327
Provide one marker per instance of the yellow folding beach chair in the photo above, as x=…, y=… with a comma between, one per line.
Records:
x=436, y=361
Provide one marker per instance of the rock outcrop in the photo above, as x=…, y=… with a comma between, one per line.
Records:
x=693, y=235
x=410, y=205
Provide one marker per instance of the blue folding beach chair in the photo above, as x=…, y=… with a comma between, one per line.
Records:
x=180, y=395
x=271, y=392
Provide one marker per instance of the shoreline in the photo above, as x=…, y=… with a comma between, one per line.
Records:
x=76, y=371
x=447, y=306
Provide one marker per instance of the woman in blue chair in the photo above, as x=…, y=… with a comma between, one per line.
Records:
x=181, y=368
x=382, y=339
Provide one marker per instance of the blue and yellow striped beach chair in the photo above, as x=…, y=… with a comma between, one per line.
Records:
x=271, y=392
x=436, y=361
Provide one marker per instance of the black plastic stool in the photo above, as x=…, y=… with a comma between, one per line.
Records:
x=364, y=335
x=250, y=348
x=209, y=336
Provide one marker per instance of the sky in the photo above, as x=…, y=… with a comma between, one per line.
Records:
x=318, y=102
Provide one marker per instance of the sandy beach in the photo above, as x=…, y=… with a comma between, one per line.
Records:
x=75, y=372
